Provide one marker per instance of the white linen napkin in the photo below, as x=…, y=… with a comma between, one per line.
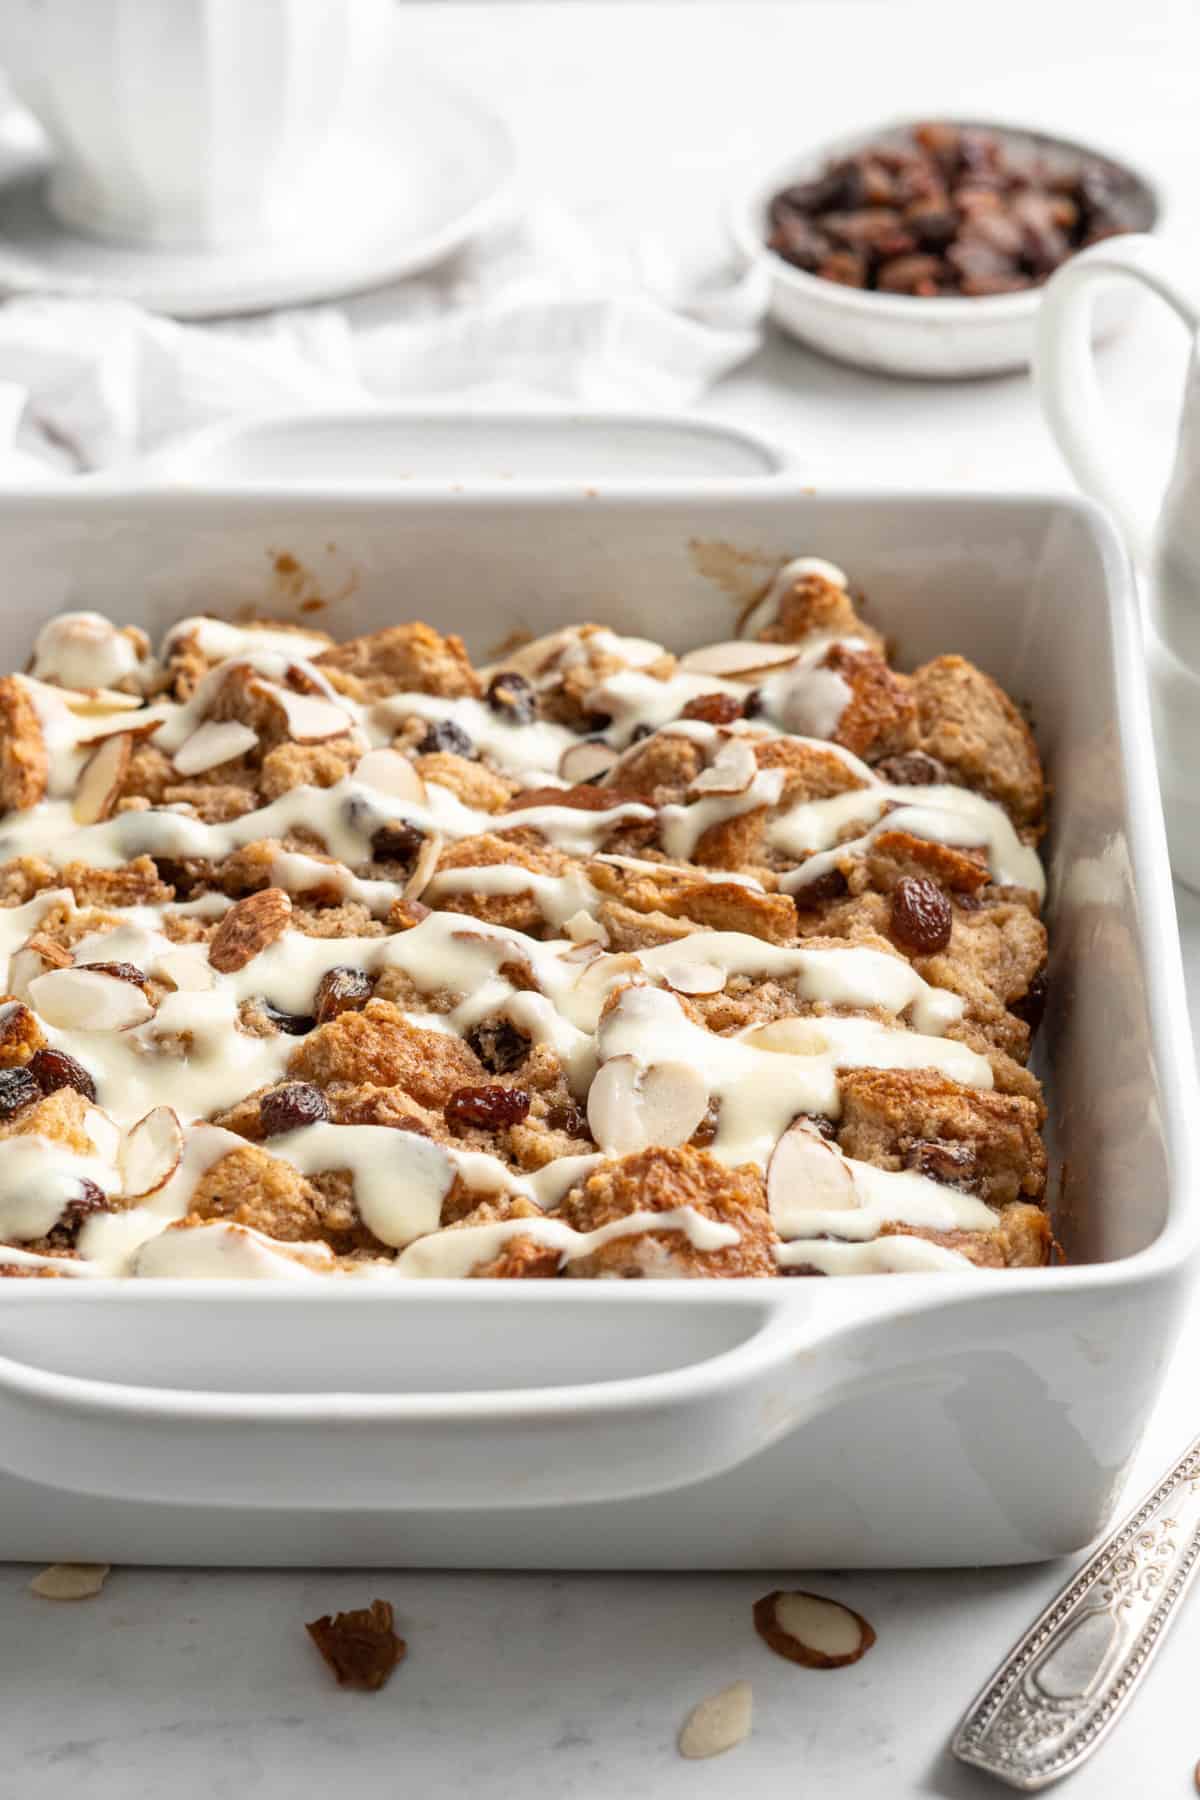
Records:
x=533, y=315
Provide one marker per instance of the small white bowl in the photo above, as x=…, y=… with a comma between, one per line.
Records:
x=901, y=334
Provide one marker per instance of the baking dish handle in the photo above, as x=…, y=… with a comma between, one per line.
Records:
x=517, y=1447
x=401, y=449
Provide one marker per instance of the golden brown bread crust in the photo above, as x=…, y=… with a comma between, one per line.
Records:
x=972, y=726
x=373, y=1066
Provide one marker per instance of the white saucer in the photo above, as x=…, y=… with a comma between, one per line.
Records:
x=427, y=168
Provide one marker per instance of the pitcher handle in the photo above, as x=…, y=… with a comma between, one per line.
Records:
x=1065, y=371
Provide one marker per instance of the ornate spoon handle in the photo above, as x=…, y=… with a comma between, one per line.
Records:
x=1071, y=1676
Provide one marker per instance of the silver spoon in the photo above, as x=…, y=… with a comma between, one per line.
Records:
x=1058, y=1695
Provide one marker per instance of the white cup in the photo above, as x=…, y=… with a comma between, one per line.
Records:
x=189, y=123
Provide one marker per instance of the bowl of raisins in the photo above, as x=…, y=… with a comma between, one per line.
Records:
x=921, y=248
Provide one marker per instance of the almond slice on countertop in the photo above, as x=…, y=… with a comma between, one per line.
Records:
x=425, y=867
x=391, y=773
x=812, y=1631
x=249, y=927
x=718, y=1723
x=629, y=1108
x=731, y=771
x=805, y=1175
x=738, y=658
x=694, y=977
x=99, y=785
x=584, y=761
x=151, y=1153
x=91, y=998
x=217, y=741
x=70, y=1581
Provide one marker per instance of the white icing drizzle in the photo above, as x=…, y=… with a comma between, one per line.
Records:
x=190, y=1055
x=463, y=1248
x=898, y=1255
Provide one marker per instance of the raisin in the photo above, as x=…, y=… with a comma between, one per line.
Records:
x=498, y=1044
x=1032, y=1003
x=490, y=1107
x=54, y=1069
x=706, y=1130
x=295, y=1024
x=184, y=882
x=821, y=1123
x=921, y=915
x=568, y=1118
x=954, y=1165
x=289, y=1107
x=89, y=1199
x=18, y=1088
x=713, y=709
x=829, y=886
x=753, y=705
x=913, y=769
x=510, y=695
x=340, y=990
x=398, y=842
x=444, y=734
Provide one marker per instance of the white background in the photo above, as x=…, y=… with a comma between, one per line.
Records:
x=204, y=1684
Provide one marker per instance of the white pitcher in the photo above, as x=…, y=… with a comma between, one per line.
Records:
x=1166, y=550
x=188, y=123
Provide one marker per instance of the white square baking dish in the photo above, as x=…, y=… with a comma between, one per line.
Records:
x=921, y=1419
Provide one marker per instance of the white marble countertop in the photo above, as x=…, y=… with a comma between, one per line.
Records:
x=204, y=1683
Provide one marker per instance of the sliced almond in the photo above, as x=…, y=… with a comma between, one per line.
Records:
x=216, y=742
x=807, y=1629
x=731, y=771
x=248, y=928
x=789, y=1037
x=738, y=658
x=719, y=1722
x=582, y=928
x=89, y=999
x=27, y=963
x=89, y=702
x=391, y=773
x=694, y=977
x=122, y=725
x=583, y=762
x=100, y=779
x=630, y=1108
x=806, y=1175
x=425, y=867
x=151, y=1153
x=70, y=1581
x=309, y=720
x=187, y=969
x=585, y=952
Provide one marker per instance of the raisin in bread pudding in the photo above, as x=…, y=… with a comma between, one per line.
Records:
x=355, y=960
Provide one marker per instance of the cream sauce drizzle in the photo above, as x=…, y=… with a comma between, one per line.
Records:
x=760, y=1078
